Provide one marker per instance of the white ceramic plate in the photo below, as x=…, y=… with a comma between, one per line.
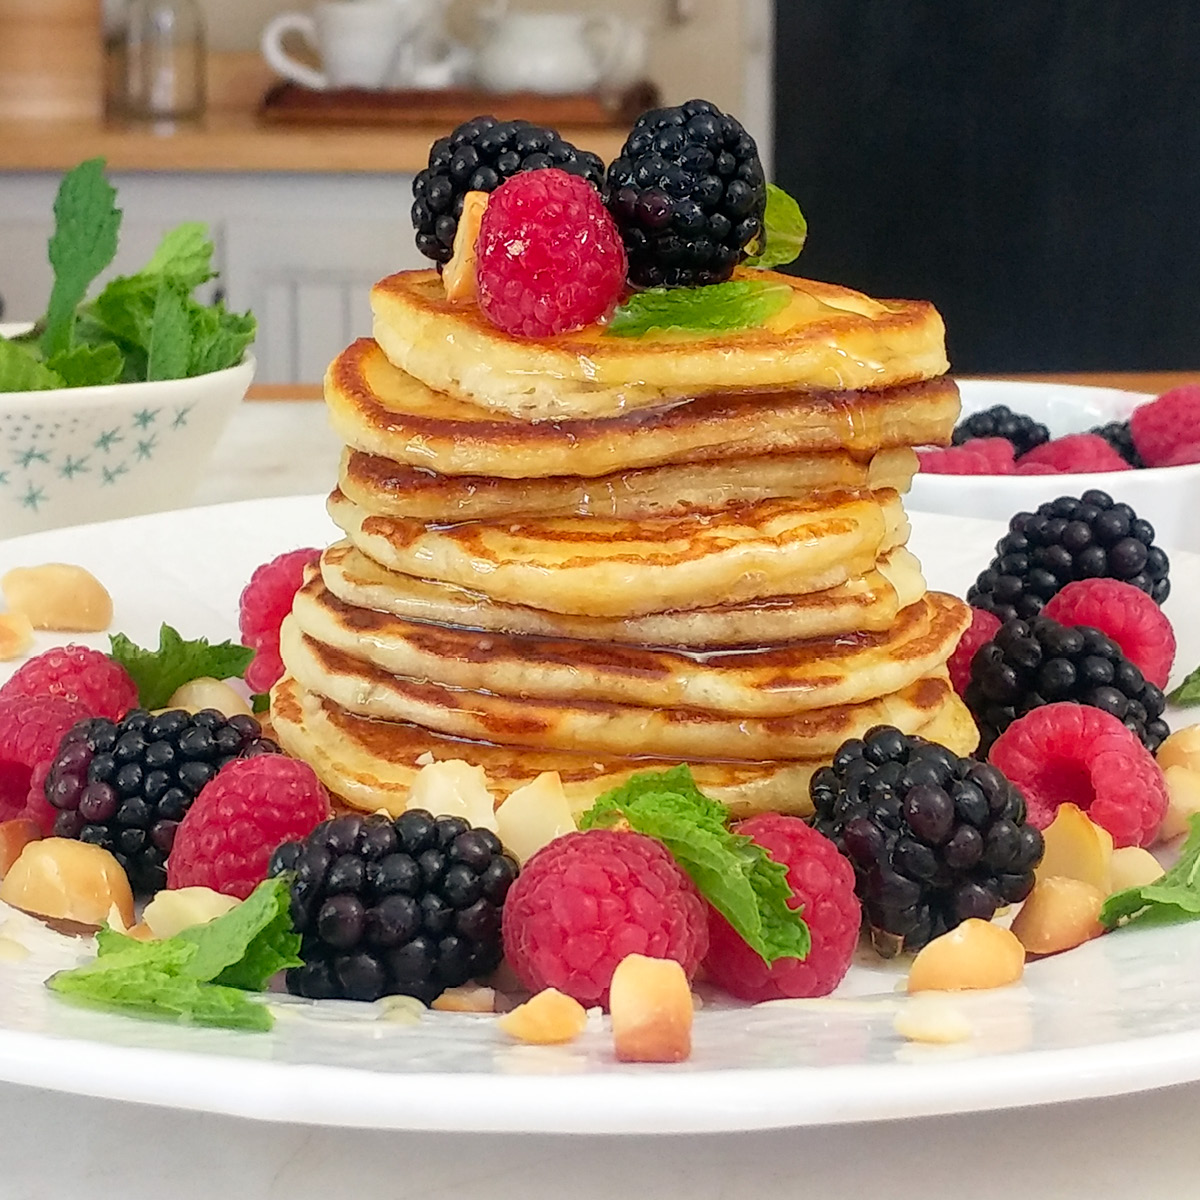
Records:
x=1168, y=497
x=1121, y=1014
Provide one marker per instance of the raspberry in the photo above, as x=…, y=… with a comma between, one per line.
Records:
x=979, y=456
x=586, y=900
x=1077, y=453
x=1000, y=421
x=549, y=257
x=90, y=678
x=479, y=156
x=1166, y=431
x=265, y=601
x=1035, y=468
x=31, y=728
x=984, y=626
x=1075, y=753
x=1127, y=615
x=822, y=882
x=240, y=818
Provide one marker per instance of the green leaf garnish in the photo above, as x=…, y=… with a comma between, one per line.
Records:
x=21, y=371
x=201, y=975
x=157, y=673
x=1188, y=692
x=170, y=345
x=733, y=873
x=184, y=256
x=260, y=702
x=88, y=366
x=737, y=304
x=84, y=242
x=1173, y=897
x=784, y=231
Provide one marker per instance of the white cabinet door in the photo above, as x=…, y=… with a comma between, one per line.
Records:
x=308, y=282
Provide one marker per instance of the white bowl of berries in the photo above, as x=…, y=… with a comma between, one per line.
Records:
x=1024, y=444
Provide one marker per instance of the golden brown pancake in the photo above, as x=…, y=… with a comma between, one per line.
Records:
x=378, y=409
x=869, y=603
x=588, y=726
x=371, y=764
x=389, y=489
x=599, y=567
x=771, y=681
x=827, y=337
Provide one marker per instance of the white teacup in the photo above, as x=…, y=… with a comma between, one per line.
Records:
x=358, y=42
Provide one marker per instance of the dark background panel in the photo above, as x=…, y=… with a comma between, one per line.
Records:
x=1033, y=167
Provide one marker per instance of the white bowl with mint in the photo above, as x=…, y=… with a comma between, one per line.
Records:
x=111, y=405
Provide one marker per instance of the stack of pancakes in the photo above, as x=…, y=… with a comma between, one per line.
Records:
x=596, y=555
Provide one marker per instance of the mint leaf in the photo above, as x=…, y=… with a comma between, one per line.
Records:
x=1173, y=897
x=244, y=947
x=20, y=371
x=199, y=976
x=84, y=242
x=88, y=366
x=158, y=673
x=1188, y=692
x=184, y=256
x=170, y=345
x=784, y=231
x=733, y=873
x=219, y=338
x=139, y=984
x=260, y=702
x=737, y=304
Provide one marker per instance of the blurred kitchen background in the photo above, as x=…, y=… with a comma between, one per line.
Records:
x=1033, y=168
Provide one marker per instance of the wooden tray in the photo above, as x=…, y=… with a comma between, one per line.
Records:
x=290, y=104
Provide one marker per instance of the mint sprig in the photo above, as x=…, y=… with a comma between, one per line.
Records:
x=736, y=875
x=157, y=673
x=201, y=975
x=1173, y=897
x=737, y=304
x=84, y=242
x=146, y=326
x=1188, y=692
x=784, y=231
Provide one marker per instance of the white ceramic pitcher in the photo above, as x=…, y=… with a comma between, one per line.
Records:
x=549, y=52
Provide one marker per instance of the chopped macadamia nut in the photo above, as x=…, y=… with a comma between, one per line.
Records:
x=533, y=816
x=549, y=1018
x=15, y=835
x=68, y=881
x=469, y=998
x=58, y=596
x=1076, y=848
x=1058, y=915
x=650, y=1003
x=454, y=789
x=207, y=692
x=174, y=910
x=973, y=955
x=16, y=636
x=932, y=1018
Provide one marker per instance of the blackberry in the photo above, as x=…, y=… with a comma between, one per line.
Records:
x=410, y=906
x=688, y=193
x=1088, y=537
x=125, y=785
x=933, y=838
x=1118, y=435
x=1000, y=421
x=478, y=157
x=1031, y=663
